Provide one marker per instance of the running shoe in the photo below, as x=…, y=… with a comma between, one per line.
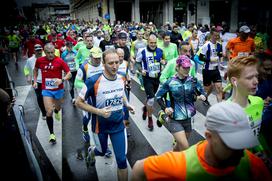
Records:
x=108, y=153
x=58, y=115
x=85, y=135
x=144, y=113
x=90, y=159
x=52, y=138
x=150, y=124
x=161, y=119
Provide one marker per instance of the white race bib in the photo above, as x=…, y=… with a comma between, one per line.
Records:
x=154, y=68
x=50, y=83
x=72, y=66
x=256, y=127
x=243, y=54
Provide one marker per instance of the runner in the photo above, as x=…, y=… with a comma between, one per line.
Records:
x=170, y=50
x=84, y=51
x=243, y=75
x=211, y=52
x=182, y=89
x=90, y=67
x=150, y=60
x=69, y=57
x=106, y=91
x=243, y=45
x=123, y=70
x=136, y=45
x=52, y=68
x=28, y=71
x=220, y=157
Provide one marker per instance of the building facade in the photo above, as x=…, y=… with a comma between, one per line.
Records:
x=161, y=11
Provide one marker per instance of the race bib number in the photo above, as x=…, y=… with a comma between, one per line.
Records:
x=109, y=47
x=154, y=69
x=12, y=44
x=72, y=66
x=256, y=127
x=243, y=54
x=214, y=59
x=115, y=103
x=50, y=83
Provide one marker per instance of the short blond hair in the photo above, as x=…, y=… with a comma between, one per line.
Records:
x=237, y=64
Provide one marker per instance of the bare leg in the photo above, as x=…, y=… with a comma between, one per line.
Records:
x=122, y=174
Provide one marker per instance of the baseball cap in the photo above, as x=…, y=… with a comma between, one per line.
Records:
x=122, y=35
x=244, y=29
x=79, y=39
x=96, y=52
x=37, y=47
x=230, y=121
x=184, y=61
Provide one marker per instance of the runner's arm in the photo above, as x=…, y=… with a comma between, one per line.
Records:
x=138, y=171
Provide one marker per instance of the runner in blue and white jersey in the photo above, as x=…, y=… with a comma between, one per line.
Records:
x=151, y=61
x=106, y=92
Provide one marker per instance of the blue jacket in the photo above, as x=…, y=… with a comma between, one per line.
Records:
x=183, y=94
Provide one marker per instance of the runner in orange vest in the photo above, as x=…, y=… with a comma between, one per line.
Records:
x=222, y=156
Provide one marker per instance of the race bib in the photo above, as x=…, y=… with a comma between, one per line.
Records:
x=154, y=69
x=214, y=59
x=115, y=103
x=72, y=66
x=243, y=54
x=50, y=83
x=12, y=44
x=255, y=126
x=109, y=47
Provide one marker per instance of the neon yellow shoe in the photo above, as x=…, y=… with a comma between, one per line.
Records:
x=52, y=138
x=58, y=115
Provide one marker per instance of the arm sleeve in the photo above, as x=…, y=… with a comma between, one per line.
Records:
x=132, y=49
x=65, y=66
x=200, y=88
x=167, y=72
x=79, y=79
x=162, y=90
x=27, y=68
x=78, y=58
x=139, y=56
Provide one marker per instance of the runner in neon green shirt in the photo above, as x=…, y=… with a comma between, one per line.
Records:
x=170, y=50
x=243, y=75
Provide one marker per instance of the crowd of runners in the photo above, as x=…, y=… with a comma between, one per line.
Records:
x=98, y=61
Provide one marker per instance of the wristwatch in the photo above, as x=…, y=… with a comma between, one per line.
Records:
x=62, y=80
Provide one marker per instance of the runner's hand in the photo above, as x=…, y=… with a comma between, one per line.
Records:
x=143, y=72
x=58, y=82
x=201, y=97
x=169, y=111
x=35, y=86
x=105, y=112
x=130, y=109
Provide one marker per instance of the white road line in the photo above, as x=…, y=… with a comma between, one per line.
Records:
x=53, y=152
